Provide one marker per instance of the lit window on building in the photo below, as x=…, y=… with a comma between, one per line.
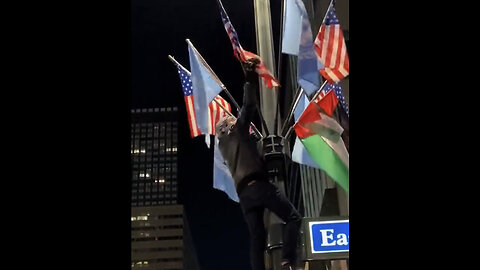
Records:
x=144, y=175
x=138, y=151
x=171, y=149
x=139, y=218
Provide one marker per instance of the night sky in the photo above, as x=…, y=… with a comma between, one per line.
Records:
x=159, y=28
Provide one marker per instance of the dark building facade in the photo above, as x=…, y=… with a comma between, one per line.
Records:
x=154, y=138
x=159, y=231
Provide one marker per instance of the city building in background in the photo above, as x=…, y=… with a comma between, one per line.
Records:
x=159, y=232
x=154, y=138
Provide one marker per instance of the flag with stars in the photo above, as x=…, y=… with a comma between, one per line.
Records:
x=215, y=112
x=331, y=49
x=242, y=54
x=338, y=92
x=232, y=34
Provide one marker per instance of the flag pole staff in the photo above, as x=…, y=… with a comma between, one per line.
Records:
x=216, y=101
x=279, y=63
x=282, y=24
x=292, y=108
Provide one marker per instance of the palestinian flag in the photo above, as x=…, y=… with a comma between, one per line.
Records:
x=321, y=136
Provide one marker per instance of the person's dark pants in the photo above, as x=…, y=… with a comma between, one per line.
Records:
x=254, y=199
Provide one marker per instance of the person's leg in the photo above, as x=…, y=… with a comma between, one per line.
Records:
x=276, y=202
x=252, y=208
x=256, y=227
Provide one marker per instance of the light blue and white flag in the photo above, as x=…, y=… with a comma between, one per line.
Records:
x=206, y=84
x=222, y=179
x=299, y=153
x=298, y=40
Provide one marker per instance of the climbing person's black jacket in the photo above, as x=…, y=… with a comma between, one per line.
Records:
x=237, y=147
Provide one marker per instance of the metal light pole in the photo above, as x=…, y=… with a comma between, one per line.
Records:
x=273, y=144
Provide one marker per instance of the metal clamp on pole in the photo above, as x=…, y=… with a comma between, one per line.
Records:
x=274, y=152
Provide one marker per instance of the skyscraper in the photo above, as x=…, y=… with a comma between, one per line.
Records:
x=154, y=138
x=159, y=231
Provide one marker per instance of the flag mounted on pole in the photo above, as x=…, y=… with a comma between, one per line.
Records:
x=215, y=112
x=207, y=87
x=342, y=111
x=330, y=47
x=297, y=40
x=299, y=153
x=321, y=136
x=222, y=178
x=242, y=54
x=338, y=92
x=188, y=96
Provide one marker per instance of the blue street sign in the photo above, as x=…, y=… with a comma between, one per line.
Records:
x=329, y=236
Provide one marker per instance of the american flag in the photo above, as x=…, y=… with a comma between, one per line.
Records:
x=215, y=112
x=329, y=101
x=238, y=51
x=338, y=92
x=331, y=49
x=242, y=54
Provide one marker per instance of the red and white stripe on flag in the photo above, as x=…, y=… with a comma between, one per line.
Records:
x=215, y=113
x=192, y=121
x=331, y=50
x=262, y=70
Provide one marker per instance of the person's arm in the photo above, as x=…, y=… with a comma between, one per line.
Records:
x=250, y=89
